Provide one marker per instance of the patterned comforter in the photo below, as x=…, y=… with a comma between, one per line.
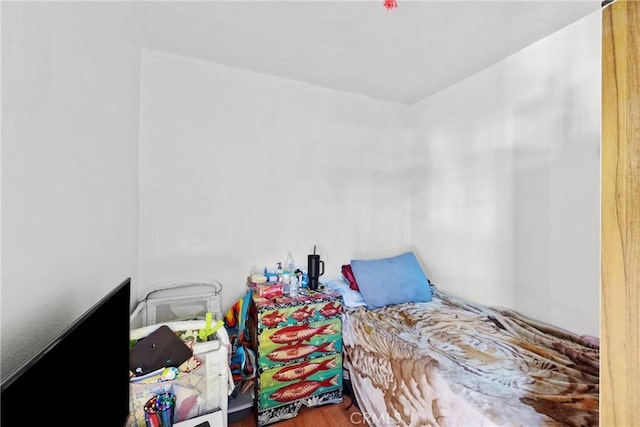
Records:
x=450, y=362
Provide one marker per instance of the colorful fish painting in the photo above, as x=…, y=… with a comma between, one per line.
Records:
x=274, y=318
x=303, y=313
x=304, y=370
x=301, y=389
x=298, y=333
x=330, y=310
x=292, y=352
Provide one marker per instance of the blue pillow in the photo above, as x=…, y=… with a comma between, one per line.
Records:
x=389, y=281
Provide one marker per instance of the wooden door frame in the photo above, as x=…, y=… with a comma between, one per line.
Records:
x=620, y=216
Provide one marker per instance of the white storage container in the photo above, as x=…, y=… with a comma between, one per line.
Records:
x=181, y=300
x=182, y=306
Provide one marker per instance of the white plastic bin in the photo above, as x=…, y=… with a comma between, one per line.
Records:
x=183, y=306
x=180, y=300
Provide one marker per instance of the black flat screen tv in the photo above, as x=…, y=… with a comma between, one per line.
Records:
x=81, y=378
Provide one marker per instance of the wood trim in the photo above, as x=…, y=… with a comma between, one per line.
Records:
x=620, y=226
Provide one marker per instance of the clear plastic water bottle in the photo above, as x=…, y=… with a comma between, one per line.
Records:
x=293, y=287
x=289, y=265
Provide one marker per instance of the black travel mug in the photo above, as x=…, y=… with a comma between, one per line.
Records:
x=315, y=269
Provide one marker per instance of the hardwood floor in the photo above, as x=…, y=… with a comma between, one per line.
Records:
x=335, y=415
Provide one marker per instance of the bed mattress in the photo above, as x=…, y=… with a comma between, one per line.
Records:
x=450, y=362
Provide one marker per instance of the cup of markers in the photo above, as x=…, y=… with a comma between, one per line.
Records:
x=158, y=411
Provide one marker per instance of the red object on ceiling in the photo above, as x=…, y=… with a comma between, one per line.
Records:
x=390, y=4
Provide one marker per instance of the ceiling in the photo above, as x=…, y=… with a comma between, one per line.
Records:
x=402, y=55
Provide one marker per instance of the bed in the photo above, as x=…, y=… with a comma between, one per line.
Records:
x=451, y=362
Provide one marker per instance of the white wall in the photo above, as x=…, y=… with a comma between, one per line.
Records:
x=505, y=187
x=237, y=168
x=70, y=85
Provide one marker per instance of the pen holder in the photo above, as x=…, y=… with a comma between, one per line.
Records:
x=158, y=411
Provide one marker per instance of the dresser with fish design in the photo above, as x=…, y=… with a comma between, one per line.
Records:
x=298, y=343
